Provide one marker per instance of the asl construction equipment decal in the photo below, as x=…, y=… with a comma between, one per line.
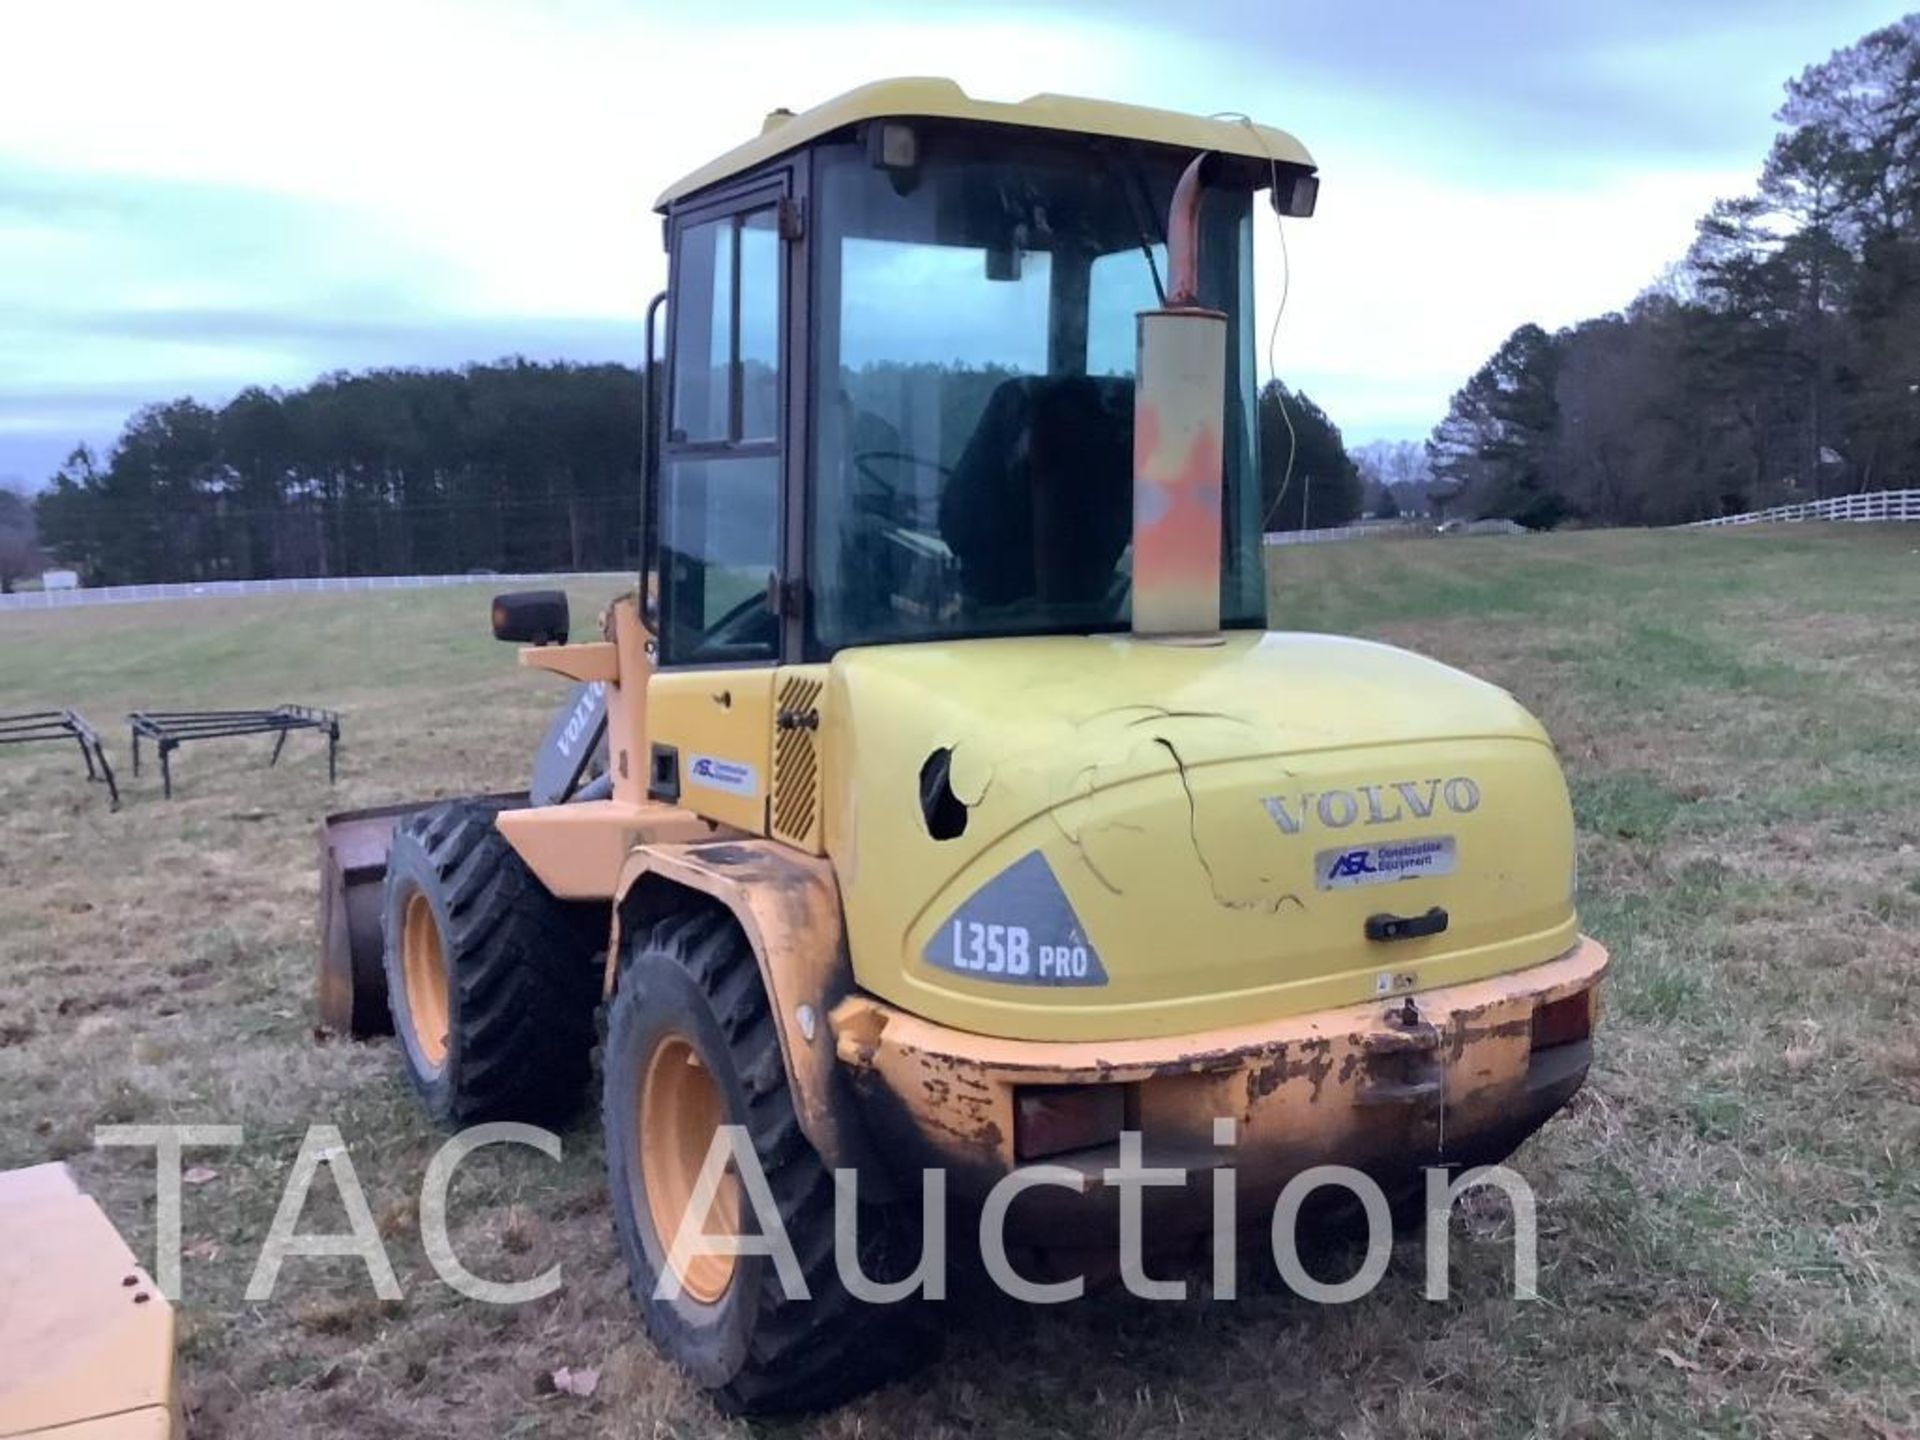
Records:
x=1381, y=864
x=717, y=774
x=1018, y=929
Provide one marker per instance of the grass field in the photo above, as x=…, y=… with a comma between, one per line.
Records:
x=1730, y=1234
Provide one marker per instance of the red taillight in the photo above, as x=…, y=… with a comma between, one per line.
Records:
x=1563, y=1021
x=1053, y=1119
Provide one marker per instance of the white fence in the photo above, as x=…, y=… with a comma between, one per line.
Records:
x=220, y=589
x=1870, y=505
x=1314, y=537
x=1347, y=532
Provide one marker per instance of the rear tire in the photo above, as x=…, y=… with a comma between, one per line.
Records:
x=690, y=1000
x=490, y=978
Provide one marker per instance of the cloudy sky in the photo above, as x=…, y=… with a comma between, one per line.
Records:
x=202, y=194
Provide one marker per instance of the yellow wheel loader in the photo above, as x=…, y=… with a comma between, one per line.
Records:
x=959, y=811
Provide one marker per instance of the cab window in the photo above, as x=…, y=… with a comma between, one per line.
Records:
x=719, y=494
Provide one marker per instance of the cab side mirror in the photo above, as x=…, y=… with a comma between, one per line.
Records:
x=531, y=617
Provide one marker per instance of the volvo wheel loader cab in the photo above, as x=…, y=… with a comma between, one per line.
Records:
x=960, y=810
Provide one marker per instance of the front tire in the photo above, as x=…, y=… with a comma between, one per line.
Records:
x=691, y=1045
x=490, y=979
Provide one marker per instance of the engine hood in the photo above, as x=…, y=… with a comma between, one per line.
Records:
x=1121, y=836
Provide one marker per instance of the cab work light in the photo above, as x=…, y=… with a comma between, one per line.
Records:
x=1296, y=194
x=893, y=146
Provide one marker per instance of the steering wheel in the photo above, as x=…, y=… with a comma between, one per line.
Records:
x=861, y=459
x=750, y=623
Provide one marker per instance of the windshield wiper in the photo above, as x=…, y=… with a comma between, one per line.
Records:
x=1141, y=203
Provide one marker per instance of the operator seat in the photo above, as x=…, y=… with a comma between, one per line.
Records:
x=1040, y=505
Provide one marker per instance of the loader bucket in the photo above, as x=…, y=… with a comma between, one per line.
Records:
x=352, y=987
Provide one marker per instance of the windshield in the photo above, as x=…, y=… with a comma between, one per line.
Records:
x=973, y=434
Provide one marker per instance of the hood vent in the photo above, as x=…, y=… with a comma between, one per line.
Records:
x=793, y=814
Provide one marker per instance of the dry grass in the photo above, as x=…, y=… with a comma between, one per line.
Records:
x=1730, y=1211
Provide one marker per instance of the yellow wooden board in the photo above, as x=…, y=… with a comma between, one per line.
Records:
x=86, y=1338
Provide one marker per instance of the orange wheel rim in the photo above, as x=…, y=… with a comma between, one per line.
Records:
x=680, y=1111
x=423, y=966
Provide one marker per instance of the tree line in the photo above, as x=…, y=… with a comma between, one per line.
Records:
x=514, y=466
x=1779, y=360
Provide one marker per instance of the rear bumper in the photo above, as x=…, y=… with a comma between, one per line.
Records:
x=1358, y=1086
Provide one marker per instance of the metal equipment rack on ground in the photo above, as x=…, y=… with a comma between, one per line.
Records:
x=37, y=725
x=169, y=729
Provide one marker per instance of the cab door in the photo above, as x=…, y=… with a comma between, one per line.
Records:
x=719, y=507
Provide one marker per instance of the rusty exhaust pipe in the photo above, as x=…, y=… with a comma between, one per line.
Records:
x=1179, y=409
x=1183, y=235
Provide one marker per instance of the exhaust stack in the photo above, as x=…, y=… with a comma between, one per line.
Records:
x=1178, y=416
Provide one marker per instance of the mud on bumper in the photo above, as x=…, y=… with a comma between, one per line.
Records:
x=1459, y=1079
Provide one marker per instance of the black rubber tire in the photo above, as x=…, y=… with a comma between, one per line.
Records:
x=755, y=1350
x=523, y=981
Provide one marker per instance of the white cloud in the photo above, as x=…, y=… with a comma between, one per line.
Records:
x=474, y=161
x=520, y=146
x=1404, y=283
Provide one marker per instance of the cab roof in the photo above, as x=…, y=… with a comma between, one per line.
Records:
x=908, y=99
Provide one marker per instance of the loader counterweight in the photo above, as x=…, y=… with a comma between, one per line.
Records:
x=1456, y=1082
